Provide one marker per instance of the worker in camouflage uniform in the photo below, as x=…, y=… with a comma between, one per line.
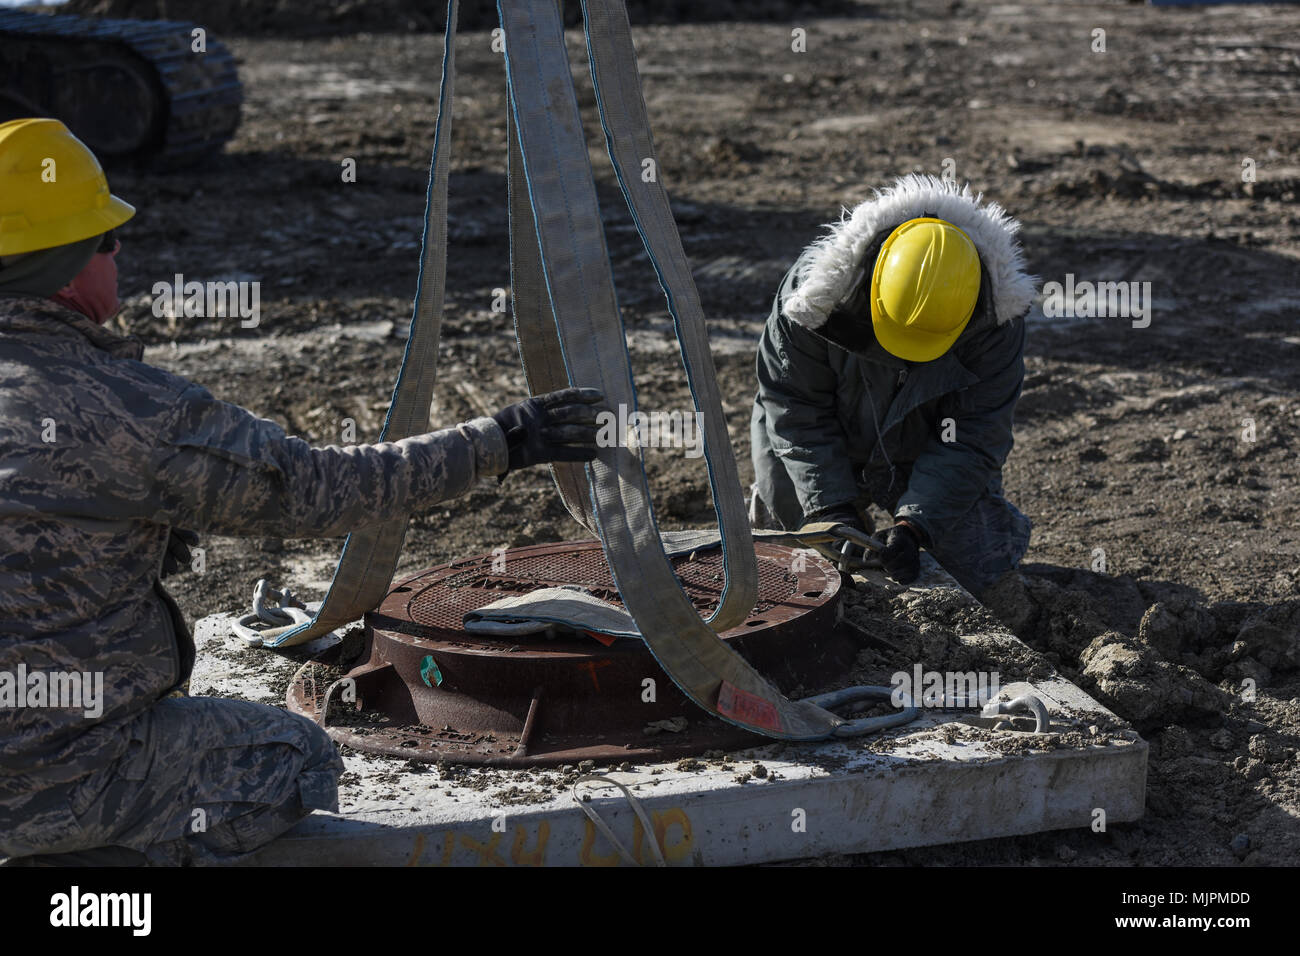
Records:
x=102, y=459
x=888, y=373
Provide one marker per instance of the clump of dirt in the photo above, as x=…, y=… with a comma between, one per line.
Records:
x=1271, y=637
x=943, y=629
x=1146, y=650
x=1132, y=678
x=512, y=787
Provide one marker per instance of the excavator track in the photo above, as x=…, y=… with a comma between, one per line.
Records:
x=132, y=90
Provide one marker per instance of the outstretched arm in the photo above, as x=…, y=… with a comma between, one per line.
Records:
x=221, y=469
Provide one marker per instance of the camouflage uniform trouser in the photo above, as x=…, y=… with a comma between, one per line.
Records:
x=201, y=781
x=987, y=542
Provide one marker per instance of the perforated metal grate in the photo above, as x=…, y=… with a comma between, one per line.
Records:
x=442, y=602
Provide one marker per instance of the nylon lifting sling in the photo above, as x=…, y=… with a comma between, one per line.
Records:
x=570, y=332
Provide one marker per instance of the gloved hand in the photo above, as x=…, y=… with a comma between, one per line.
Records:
x=901, y=555
x=558, y=426
x=178, y=557
x=851, y=555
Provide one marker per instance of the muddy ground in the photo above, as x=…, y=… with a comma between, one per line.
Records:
x=1169, y=451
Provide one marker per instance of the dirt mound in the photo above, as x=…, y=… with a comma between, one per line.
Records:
x=1147, y=650
x=1130, y=676
x=331, y=17
x=1209, y=685
x=940, y=627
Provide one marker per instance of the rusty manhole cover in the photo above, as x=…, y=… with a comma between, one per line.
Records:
x=423, y=688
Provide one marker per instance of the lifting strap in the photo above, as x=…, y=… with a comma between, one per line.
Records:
x=369, y=559
x=570, y=332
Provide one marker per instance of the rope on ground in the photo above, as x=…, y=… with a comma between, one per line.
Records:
x=603, y=827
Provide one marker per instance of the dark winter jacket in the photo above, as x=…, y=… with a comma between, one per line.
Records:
x=837, y=417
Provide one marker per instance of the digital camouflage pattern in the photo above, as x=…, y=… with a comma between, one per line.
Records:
x=200, y=780
x=100, y=456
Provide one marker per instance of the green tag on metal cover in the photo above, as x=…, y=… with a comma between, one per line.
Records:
x=428, y=668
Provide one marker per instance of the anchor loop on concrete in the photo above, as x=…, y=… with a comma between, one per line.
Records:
x=1024, y=702
x=865, y=725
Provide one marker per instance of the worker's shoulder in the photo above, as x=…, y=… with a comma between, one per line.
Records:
x=990, y=328
x=780, y=327
x=64, y=359
x=992, y=346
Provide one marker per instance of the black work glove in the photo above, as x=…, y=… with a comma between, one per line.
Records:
x=178, y=557
x=901, y=555
x=557, y=426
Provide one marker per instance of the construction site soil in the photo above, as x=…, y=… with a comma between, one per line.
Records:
x=1158, y=461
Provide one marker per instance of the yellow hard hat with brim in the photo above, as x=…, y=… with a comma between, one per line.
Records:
x=924, y=288
x=52, y=189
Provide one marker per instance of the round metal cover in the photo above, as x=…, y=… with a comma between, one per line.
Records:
x=423, y=688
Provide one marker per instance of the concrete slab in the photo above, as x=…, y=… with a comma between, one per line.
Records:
x=944, y=778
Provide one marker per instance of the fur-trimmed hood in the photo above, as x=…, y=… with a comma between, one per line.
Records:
x=833, y=267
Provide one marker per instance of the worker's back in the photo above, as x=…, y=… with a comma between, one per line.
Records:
x=79, y=557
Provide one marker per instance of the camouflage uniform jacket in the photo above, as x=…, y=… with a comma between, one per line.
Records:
x=100, y=455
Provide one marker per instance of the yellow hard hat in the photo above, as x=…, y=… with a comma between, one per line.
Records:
x=52, y=189
x=923, y=289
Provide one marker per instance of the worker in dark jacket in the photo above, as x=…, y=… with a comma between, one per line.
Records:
x=888, y=373
x=102, y=459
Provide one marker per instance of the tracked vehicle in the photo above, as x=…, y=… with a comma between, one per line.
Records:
x=132, y=90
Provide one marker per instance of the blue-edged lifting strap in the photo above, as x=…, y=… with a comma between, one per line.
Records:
x=369, y=560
